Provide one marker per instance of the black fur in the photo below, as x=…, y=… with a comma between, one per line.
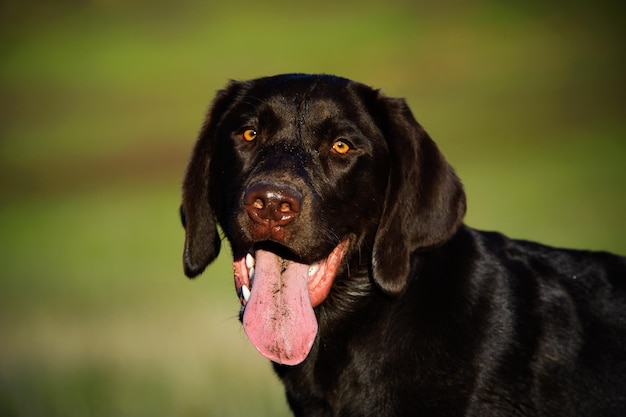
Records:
x=426, y=317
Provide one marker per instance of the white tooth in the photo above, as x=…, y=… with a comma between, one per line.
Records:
x=245, y=292
x=313, y=268
x=251, y=273
x=249, y=260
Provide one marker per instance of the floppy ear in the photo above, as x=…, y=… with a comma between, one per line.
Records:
x=202, y=242
x=425, y=201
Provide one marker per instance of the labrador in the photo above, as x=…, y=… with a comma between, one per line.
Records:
x=358, y=279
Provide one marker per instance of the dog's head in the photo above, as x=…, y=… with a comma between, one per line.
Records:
x=307, y=174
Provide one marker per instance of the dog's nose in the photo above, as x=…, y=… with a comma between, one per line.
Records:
x=272, y=204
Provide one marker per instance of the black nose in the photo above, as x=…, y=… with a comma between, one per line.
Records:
x=272, y=204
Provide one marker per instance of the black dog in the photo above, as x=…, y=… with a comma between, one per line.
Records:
x=358, y=279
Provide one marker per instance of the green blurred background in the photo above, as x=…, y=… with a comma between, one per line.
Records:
x=100, y=105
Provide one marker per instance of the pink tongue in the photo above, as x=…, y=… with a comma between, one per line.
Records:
x=279, y=319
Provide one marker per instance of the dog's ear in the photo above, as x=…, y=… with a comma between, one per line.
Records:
x=202, y=241
x=425, y=201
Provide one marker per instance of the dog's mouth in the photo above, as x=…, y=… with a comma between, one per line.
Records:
x=278, y=294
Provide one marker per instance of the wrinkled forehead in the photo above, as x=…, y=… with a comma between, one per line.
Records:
x=303, y=109
x=305, y=103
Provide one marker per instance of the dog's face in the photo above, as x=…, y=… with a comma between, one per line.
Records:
x=310, y=177
x=284, y=164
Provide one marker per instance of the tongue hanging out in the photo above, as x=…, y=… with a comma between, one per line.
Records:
x=278, y=297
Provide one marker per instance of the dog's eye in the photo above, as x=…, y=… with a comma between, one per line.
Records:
x=340, y=147
x=249, y=135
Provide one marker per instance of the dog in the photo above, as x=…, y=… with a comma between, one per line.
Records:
x=359, y=280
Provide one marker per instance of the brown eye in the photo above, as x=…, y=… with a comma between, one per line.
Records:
x=249, y=135
x=340, y=147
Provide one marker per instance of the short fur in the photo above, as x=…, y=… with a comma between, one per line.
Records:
x=426, y=317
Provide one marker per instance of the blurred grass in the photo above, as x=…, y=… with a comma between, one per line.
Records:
x=100, y=104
